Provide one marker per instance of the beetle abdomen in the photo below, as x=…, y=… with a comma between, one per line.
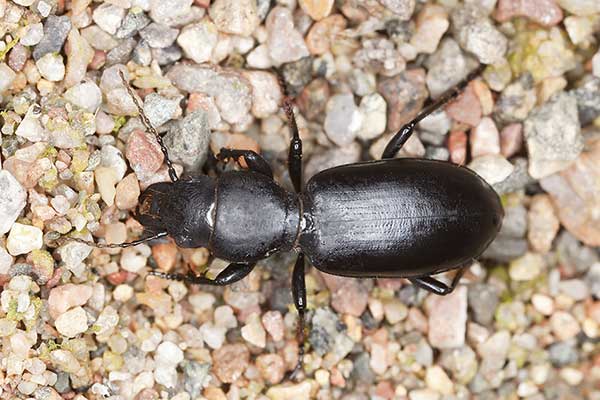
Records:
x=397, y=218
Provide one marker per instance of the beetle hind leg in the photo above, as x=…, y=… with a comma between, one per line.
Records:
x=299, y=295
x=233, y=273
x=438, y=287
x=396, y=143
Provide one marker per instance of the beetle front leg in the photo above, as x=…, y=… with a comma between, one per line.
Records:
x=396, y=143
x=295, y=153
x=254, y=161
x=299, y=295
x=233, y=273
x=435, y=286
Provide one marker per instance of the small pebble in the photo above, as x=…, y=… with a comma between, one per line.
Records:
x=317, y=9
x=51, y=67
x=564, y=325
x=143, y=154
x=436, y=379
x=230, y=362
x=553, y=136
x=543, y=303
x=526, y=268
x=492, y=167
x=198, y=40
x=273, y=323
x=485, y=138
x=238, y=17
x=72, y=322
x=23, y=238
x=253, y=332
x=447, y=319
x=66, y=296
x=12, y=200
x=285, y=43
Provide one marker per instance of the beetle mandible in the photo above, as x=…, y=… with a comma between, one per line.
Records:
x=394, y=218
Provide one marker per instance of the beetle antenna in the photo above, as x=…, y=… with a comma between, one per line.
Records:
x=114, y=245
x=150, y=128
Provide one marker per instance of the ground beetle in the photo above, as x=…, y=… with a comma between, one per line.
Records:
x=393, y=218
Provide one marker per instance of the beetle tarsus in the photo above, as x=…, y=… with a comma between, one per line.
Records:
x=233, y=273
x=435, y=286
x=402, y=136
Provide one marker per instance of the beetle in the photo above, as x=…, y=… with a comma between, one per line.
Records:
x=394, y=218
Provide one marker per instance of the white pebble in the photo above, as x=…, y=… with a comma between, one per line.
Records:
x=168, y=354
x=51, y=67
x=34, y=34
x=542, y=303
x=23, y=239
x=492, y=167
x=13, y=198
x=72, y=322
x=213, y=336
x=253, y=332
x=123, y=293
x=86, y=95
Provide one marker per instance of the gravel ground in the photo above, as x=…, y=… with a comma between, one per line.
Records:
x=83, y=323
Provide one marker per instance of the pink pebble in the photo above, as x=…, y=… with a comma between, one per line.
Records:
x=143, y=153
x=485, y=138
x=511, y=139
x=466, y=108
x=543, y=12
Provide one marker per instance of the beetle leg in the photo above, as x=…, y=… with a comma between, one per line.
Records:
x=233, y=273
x=396, y=143
x=254, y=161
x=299, y=295
x=295, y=153
x=438, y=287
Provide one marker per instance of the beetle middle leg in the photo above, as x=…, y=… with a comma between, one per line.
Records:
x=435, y=286
x=396, y=143
x=233, y=273
x=299, y=295
x=254, y=161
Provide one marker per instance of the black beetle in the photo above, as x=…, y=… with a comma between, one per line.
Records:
x=402, y=218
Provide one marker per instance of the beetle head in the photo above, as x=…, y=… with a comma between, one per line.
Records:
x=151, y=206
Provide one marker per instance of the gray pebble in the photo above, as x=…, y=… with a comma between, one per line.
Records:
x=362, y=370
x=515, y=222
x=132, y=23
x=517, y=180
x=446, y=67
x=327, y=334
x=592, y=279
x=573, y=255
x=195, y=375
x=121, y=53
x=167, y=55
x=588, y=100
x=142, y=54
x=188, y=140
x=159, y=36
x=160, y=109
x=483, y=300
x=505, y=249
x=553, y=135
x=56, y=30
x=297, y=74
x=563, y=353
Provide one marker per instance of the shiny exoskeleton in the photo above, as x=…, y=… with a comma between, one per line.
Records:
x=408, y=218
